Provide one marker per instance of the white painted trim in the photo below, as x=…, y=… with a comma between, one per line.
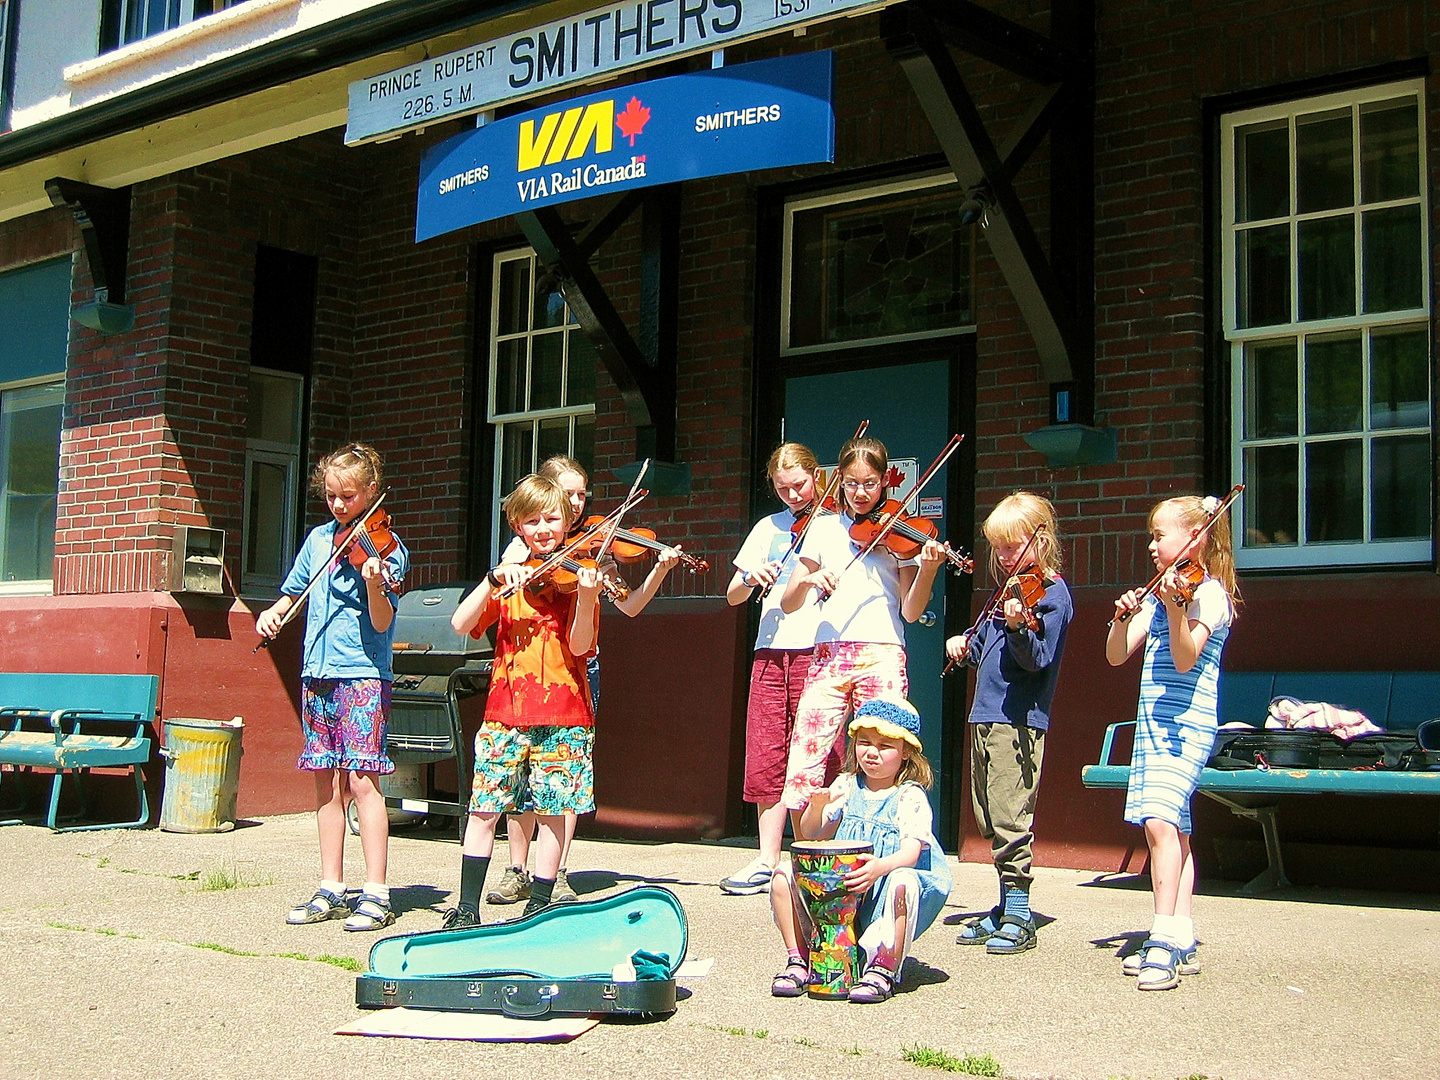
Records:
x=158, y=44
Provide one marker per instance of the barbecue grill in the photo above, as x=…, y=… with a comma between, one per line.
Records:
x=434, y=669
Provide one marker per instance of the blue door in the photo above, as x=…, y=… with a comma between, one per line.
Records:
x=909, y=409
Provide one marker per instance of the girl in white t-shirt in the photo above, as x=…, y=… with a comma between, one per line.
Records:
x=783, y=649
x=860, y=638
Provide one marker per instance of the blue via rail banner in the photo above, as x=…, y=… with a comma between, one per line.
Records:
x=761, y=115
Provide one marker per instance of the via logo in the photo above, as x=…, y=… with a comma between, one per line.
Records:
x=565, y=136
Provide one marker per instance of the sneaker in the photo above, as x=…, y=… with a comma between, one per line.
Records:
x=513, y=886
x=753, y=877
x=460, y=918
x=562, y=893
x=532, y=907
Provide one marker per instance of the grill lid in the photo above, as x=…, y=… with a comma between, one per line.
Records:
x=424, y=642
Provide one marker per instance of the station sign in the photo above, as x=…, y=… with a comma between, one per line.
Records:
x=761, y=115
x=595, y=44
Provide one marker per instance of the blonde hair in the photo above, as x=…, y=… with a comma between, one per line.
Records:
x=1215, y=551
x=791, y=455
x=1014, y=520
x=536, y=494
x=914, y=766
x=557, y=465
x=360, y=459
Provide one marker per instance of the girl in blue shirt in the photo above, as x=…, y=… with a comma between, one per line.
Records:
x=345, y=685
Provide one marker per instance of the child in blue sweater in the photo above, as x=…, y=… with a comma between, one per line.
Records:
x=1017, y=667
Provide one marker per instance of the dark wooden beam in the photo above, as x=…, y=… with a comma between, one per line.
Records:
x=913, y=39
x=103, y=215
x=659, y=314
x=980, y=32
x=599, y=321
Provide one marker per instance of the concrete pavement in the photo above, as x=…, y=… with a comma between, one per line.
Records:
x=117, y=963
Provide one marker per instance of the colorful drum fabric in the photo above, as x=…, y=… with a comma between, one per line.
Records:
x=820, y=869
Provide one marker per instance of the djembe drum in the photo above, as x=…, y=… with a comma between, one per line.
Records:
x=820, y=869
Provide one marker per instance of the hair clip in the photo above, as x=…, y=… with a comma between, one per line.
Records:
x=1210, y=504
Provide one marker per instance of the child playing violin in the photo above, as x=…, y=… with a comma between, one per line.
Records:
x=860, y=636
x=1183, y=628
x=783, y=651
x=539, y=720
x=345, y=684
x=1017, y=668
x=514, y=884
x=878, y=798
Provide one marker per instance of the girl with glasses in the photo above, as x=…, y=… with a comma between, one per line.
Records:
x=860, y=637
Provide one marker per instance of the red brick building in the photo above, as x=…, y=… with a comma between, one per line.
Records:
x=1176, y=204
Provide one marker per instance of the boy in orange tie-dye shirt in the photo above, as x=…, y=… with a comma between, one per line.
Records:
x=535, y=743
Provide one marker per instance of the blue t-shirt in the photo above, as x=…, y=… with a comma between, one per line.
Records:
x=340, y=642
x=1016, y=673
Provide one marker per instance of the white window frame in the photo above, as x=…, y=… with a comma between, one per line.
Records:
x=48, y=391
x=499, y=528
x=838, y=197
x=287, y=455
x=1318, y=553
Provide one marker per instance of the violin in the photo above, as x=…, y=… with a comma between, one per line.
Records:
x=631, y=545
x=1191, y=574
x=906, y=537
x=563, y=575
x=1028, y=587
x=828, y=505
x=373, y=541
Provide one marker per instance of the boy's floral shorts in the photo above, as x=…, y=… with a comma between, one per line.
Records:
x=547, y=769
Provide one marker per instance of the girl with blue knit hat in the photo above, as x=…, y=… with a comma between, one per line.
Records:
x=878, y=798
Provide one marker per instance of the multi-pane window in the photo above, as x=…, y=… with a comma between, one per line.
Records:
x=272, y=477
x=29, y=469
x=131, y=20
x=542, y=378
x=886, y=263
x=8, y=9
x=1327, y=314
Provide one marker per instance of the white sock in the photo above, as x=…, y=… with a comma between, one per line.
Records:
x=1169, y=929
x=336, y=887
x=1185, y=929
x=378, y=889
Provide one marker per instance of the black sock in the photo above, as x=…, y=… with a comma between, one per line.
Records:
x=473, y=869
x=540, y=890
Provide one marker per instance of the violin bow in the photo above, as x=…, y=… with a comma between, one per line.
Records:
x=1185, y=552
x=356, y=526
x=891, y=519
x=997, y=595
x=830, y=490
x=615, y=526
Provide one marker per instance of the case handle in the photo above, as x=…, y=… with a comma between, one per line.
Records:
x=511, y=1005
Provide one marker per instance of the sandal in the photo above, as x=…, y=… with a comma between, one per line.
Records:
x=1169, y=968
x=875, y=986
x=1189, y=960
x=791, y=982
x=371, y=913
x=977, y=931
x=323, y=905
x=1014, y=935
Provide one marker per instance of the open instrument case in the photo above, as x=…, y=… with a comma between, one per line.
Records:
x=561, y=961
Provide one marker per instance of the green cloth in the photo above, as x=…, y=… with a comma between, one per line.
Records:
x=649, y=966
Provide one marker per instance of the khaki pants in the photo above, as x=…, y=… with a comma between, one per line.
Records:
x=1004, y=778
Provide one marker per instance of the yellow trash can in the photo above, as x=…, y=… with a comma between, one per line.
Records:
x=202, y=774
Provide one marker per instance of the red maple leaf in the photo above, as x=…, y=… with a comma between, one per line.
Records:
x=632, y=121
x=894, y=477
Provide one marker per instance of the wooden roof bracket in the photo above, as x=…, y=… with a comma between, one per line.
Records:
x=103, y=215
x=643, y=370
x=1055, y=293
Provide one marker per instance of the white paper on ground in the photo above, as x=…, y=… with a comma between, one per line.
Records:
x=695, y=969
x=471, y=1026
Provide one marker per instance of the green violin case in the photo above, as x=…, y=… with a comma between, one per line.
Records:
x=561, y=961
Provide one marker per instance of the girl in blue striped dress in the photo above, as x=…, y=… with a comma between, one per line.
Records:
x=1175, y=729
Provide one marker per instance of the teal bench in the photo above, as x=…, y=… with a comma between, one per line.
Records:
x=74, y=723
x=1396, y=701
